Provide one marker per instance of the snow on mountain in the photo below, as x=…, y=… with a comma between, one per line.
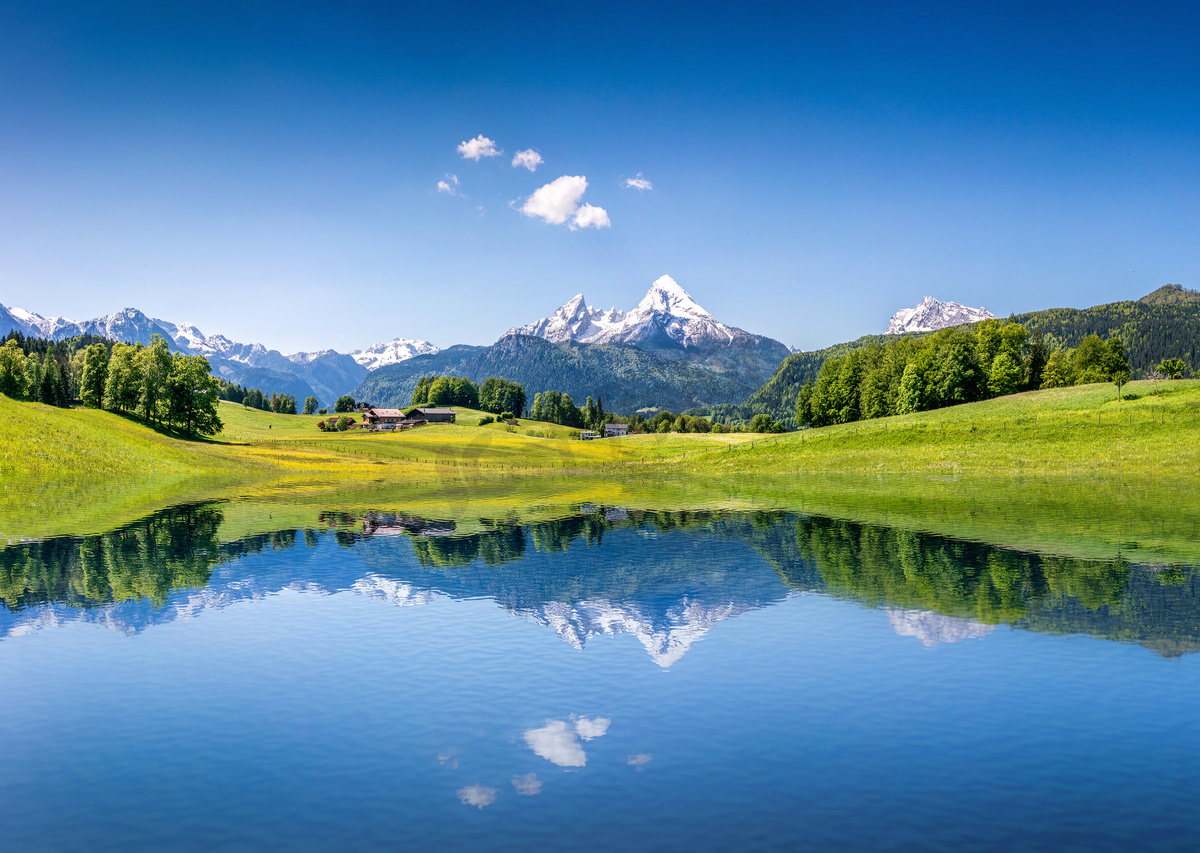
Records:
x=392, y=352
x=932, y=314
x=933, y=628
x=667, y=314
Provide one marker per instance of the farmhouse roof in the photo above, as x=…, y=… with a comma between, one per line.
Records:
x=436, y=411
x=387, y=413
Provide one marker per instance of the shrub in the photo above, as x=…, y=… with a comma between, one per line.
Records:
x=484, y=421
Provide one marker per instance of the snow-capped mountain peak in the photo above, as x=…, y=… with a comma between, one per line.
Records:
x=391, y=352
x=666, y=316
x=932, y=314
x=665, y=296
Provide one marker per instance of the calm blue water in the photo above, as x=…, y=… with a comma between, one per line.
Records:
x=607, y=680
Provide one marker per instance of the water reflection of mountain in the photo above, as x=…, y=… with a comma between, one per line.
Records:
x=665, y=578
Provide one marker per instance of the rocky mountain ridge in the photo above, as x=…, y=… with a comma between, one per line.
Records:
x=931, y=314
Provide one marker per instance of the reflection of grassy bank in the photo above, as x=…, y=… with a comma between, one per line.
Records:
x=1069, y=471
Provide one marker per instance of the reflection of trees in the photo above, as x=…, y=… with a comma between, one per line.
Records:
x=173, y=549
x=899, y=568
x=504, y=544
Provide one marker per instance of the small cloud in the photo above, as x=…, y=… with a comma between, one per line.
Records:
x=590, y=216
x=528, y=158
x=478, y=148
x=528, y=785
x=638, y=183
x=638, y=761
x=448, y=758
x=477, y=795
x=589, y=729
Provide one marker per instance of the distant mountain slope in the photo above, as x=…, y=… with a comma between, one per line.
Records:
x=1171, y=294
x=1163, y=324
x=625, y=377
x=669, y=323
x=777, y=396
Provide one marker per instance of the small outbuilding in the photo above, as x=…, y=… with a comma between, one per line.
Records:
x=433, y=416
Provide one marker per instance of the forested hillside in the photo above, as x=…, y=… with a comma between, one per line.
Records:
x=1163, y=324
x=626, y=378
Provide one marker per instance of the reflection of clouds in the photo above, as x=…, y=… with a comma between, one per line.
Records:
x=529, y=784
x=558, y=740
x=933, y=628
x=449, y=758
x=638, y=761
x=591, y=728
x=477, y=795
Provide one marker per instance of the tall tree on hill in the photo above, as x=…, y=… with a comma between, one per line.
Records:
x=310, y=405
x=123, y=386
x=345, y=403
x=12, y=369
x=154, y=365
x=192, y=396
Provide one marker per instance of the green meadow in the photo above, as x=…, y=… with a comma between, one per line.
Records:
x=1072, y=471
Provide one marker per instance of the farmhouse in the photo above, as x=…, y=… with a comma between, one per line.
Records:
x=373, y=417
x=615, y=429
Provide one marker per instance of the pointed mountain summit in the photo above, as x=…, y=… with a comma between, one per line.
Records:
x=932, y=314
x=668, y=322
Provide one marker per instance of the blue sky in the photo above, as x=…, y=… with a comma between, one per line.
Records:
x=270, y=171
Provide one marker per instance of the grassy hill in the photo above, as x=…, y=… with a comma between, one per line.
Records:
x=1070, y=470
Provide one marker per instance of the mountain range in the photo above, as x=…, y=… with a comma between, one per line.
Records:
x=666, y=352
x=326, y=374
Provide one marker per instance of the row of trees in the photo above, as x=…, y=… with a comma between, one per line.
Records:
x=253, y=398
x=952, y=366
x=495, y=395
x=175, y=390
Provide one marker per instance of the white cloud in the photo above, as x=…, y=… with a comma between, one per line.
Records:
x=448, y=186
x=588, y=729
x=529, y=784
x=638, y=183
x=556, y=201
x=478, y=148
x=528, y=158
x=556, y=743
x=590, y=216
x=477, y=795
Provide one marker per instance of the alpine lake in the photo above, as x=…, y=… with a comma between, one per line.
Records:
x=528, y=673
